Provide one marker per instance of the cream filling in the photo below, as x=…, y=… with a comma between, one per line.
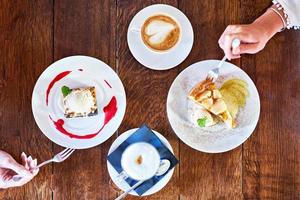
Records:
x=80, y=101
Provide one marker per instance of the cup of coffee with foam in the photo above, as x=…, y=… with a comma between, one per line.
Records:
x=160, y=33
x=140, y=161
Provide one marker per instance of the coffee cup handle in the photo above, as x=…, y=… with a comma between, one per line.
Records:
x=135, y=30
x=122, y=176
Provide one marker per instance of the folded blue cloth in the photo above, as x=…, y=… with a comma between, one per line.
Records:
x=143, y=134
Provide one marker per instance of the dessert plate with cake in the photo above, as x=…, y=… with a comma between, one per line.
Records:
x=211, y=116
x=78, y=102
x=160, y=37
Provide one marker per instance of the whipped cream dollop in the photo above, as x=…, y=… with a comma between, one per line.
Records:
x=80, y=101
x=198, y=112
x=158, y=31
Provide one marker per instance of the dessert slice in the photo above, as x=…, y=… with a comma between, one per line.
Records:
x=207, y=95
x=79, y=102
x=202, y=118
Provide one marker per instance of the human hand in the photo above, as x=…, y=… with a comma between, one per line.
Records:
x=9, y=167
x=253, y=36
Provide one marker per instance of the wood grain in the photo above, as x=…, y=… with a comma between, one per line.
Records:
x=25, y=51
x=33, y=34
x=84, y=28
x=209, y=176
x=146, y=90
x=271, y=157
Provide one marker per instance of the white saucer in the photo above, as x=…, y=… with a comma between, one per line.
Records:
x=124, y=185
x=217, y=138
x=165, y=60
x=84, y=71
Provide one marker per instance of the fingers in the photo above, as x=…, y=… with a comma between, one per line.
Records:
x=249, y=48
x=241, y=32
x=29, y=163
x=19, y=169
x=28, y=170
x=32, y=165
x=24, y=160
x=34, y=168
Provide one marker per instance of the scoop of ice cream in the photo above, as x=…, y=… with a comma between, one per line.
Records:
x=80, y=101
x=158, y=31
x=198, y=112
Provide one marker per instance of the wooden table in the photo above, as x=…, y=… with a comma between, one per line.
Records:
x=33, y=34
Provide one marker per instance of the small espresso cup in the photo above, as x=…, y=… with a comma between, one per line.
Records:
x=140, y=161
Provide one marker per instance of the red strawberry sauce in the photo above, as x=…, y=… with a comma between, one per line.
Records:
x=109, y=110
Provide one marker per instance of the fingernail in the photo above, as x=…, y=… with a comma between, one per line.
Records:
x=23, y=154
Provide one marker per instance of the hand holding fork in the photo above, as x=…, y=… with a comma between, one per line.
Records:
x=60, y=157
x=214, y=73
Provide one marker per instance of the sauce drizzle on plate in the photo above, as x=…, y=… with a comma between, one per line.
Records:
x=109, y=110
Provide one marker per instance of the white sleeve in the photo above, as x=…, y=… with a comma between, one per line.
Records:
x=291, y=9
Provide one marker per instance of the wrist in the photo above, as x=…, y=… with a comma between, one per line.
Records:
x=270, y=23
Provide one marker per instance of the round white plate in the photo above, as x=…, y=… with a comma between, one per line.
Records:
x=158, y=60
x=124, y=185
x=217, y=138
x=83, y=71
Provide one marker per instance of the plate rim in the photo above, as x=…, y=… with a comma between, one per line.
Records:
x=122, y=115
x=192, y=146
x=170, y=173
x=188, y=22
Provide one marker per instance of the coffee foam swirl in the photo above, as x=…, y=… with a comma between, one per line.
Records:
x=158, y=31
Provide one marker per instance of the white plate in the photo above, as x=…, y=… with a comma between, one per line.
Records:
x=157, y=60
x=124, y=185
x=217, y=138
x=84, y=71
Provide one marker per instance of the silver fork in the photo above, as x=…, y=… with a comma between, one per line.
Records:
x=60, y=157
x=214, y=73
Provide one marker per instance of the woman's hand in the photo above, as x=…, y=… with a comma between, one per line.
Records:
x=9, y=167
x=253, y=36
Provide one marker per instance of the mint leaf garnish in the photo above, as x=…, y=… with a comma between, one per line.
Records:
x=65, y=90
x=202, y=121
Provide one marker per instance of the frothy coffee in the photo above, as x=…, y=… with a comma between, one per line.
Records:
x=140, y=161
x=160, y=32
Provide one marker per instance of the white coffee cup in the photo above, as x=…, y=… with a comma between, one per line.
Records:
x=140, y=161
x=139, y=30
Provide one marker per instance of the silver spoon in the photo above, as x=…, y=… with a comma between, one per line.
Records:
x=163, y=168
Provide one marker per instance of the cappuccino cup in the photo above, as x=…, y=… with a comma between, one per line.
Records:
x=160, y=32
x=140, y=161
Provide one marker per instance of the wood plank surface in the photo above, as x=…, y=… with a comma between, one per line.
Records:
x=84, y=28
x=271, y=156
x=202, y=175
x=33, y=34
x=146, y=90
x=25, y=51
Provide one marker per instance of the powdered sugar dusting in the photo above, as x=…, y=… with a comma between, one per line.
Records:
x=217, y=138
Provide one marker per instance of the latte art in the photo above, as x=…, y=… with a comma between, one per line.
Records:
x=160, y=32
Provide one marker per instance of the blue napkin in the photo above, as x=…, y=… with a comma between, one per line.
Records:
x=143, y=134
